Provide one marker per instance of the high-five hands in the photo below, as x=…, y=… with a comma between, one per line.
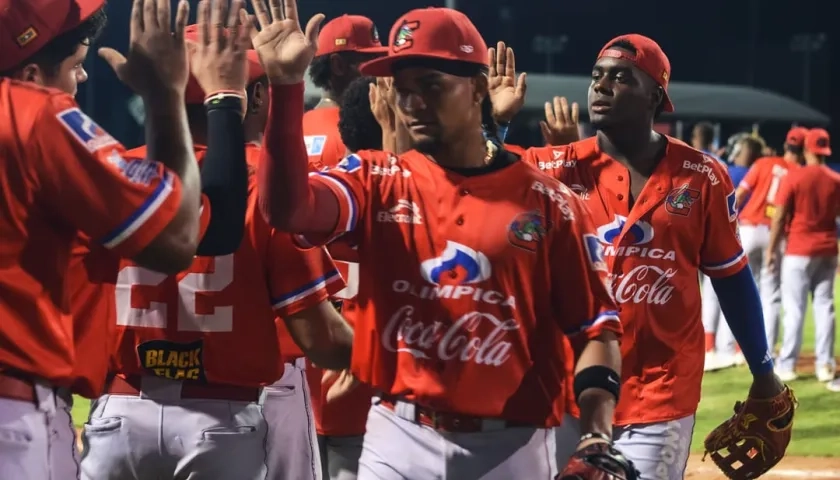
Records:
x=507, y=93
x=284, y=49
x=156, y=65
x=561, y=122
x=218, y=58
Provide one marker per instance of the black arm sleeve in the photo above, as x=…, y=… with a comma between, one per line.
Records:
x=224, y=178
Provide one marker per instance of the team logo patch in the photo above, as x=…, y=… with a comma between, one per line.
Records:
x=526, y=230
x=350, y=164
x=315, y=144
x=730, y=205
x=458, y=264
x=594, y=252
x=85, y=130
x=405, y=36
x=26, y=37
x=172, y=360
x=680, y=200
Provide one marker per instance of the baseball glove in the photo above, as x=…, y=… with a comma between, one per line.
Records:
x=753, y=440
x=599, y=461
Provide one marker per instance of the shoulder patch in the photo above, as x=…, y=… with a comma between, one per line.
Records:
x=315, y=144
x=85, y=130
x=350, y=164
x=730, y=203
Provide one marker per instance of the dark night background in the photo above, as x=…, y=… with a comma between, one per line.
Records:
x=777, y=45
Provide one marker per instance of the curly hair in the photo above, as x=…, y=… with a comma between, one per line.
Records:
x=60, y=48
x=358, y=127
x=319, y=72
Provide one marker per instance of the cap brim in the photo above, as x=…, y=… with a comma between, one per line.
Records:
x=825, y=152
x=668, y=106
x=377, y=50
x=383, y=66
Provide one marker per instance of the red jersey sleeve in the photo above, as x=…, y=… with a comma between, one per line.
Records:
x=721, y=254
x=579, y=273
x=349, y=181
x=299, y=279
x=121, y=203
x=750, y=180
x=786, y=190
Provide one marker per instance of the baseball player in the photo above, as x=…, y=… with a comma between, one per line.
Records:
x=69, y=176
x=344, y=43
x=181, y=373
x=663, y=211
x=808, y=203
x=462, y=295
x=756, y=195
x=721, y=350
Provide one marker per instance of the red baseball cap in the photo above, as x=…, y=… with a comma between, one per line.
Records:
x=195, y=94
x=818, y=142
x=439, y=33
x=349, y=33
x=796, y=136
x=26, y=26
x=648, y=58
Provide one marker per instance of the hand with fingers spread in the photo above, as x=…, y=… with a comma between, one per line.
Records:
x=507, y=93
x=381, y=102
x=157, y=58
x=285, y=50
x=218, y=57
x=561, y=122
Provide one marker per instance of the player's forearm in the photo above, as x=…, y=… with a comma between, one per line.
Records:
x=323, y=335
x=287, y=198
x=401, y=138
x=224, y=178
x=597, y=383
x=168, y=140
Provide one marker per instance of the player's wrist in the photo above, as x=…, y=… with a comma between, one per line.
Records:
x=593, y=438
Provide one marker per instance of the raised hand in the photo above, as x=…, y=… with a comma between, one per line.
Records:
x=382, y=102
x=561, y=122
x=218, y=58
x=157, y=57
x=285, y=50
x=506, y=92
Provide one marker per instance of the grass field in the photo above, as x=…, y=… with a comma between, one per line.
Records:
x=817, y=422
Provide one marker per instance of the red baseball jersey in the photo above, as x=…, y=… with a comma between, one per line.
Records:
x=762, y=181
x=483, y=277
x=215, y=322
x=683, y=220
x=812, y=196
x=323, y=141
x=63, y=174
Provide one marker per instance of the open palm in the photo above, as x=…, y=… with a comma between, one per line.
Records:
x=284, y=49
x=507, y=93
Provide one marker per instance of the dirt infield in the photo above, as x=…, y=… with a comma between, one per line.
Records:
x=790, y=467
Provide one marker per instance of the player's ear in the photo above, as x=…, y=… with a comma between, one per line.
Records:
x=657, y=97
x=480, y=88
x=257, y=98
x=30, y=73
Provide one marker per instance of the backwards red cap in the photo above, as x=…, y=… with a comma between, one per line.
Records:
x=438, y=33
x=26, y=26
x=818, y=142
x=648, y=58
x=194, y=93
x=796, y=136
x=349, y=33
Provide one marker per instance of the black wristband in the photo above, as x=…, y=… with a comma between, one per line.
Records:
x=597, y=376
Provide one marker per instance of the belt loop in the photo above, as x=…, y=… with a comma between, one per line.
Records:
x=406, y=410
x=45, y=397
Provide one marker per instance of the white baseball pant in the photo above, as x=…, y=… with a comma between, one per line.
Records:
x=396, y=447
x=160, y=435
x=292, y=444
x=755, y=239
x=37, y=439
x=800, y=276
x=658, y=450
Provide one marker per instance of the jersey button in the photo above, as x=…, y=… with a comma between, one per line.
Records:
x=620, y=196
x=453, y=274
x=460, y=221
x=621, y=178
x=464, y=192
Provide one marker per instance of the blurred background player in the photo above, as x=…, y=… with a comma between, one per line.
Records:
x=703, y=138
x=807, y=206
x=217, y=321
x=721, y=349
x=343, y=44
x=755, y=196
x=340, y=422
x=70, y=178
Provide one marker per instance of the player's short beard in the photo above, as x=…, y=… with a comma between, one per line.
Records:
x=427, y=146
